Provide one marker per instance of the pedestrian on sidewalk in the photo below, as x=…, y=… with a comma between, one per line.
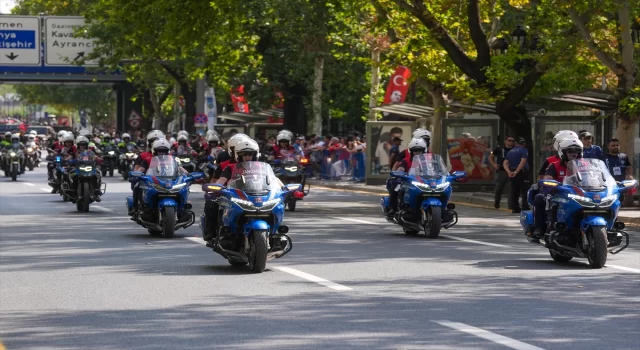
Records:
x=620, y=167
x=517, y=166
x=590, y=150
x=496, y=159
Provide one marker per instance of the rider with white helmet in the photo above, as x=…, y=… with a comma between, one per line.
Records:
x=417, y=146
x=284, y=144
x=152, y=136
x=419, y=133
x=559, y=136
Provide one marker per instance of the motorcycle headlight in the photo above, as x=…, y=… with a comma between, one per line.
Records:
x=584, y=201
x=244, y=204
x=443, y=186
x=29, y=149
x=129, y=155
x=270, y=204
x=159, y=188
x=13, y=154
x=421, y=185
x=178, y=187
x=291, y=168
x=111, y=153
x=608, y=200
x=186, y=160
x=86, y=168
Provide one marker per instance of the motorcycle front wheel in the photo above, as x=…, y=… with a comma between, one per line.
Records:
x=433, y=223
x=169, y=222
x=258, y=254
x=598, y=247
x=14, y=172
x=86, y=197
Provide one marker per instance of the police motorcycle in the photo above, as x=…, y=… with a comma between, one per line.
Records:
x=164, y=206
x=127, y=161
x=290, y=170
x=83, y=186
x=110, y=157
x=13, y=158
x=585, y=207
x=31, y=155
x=424, y=194
x=251, y=214
x=184, y=157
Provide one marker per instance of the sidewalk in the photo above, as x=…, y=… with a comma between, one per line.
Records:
x=476, y=199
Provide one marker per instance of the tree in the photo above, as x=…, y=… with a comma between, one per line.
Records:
x=506, y=79
x=608, y=36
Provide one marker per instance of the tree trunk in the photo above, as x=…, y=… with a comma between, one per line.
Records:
x=158, y=117
x=295, y=118
x=439, y=113
x=189, y=93
x=318, y=72
x=375, y=83
x=147, y=120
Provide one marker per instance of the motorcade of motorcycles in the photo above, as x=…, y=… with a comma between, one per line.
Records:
x=109, y=159
x=184, y=157
x=291, y=171
x=164, y=206
x=251, y=214
x=127, y=160
x=583, y=213
x=423, y=198
x=83, y=182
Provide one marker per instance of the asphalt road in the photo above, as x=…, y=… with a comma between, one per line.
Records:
x=98, y=281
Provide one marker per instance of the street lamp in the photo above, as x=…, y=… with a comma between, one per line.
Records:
x=499, y=47
x=519, y=36
x=635, y=31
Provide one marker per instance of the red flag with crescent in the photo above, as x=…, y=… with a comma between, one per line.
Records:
x=239, y=102
x=398, y=87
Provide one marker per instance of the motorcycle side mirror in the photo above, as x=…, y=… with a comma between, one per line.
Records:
x=197, y=175
x=459, y=174
x=293, y=187
x=136, y=173
x=212, y=187
x=627, y=184
x=548, y=183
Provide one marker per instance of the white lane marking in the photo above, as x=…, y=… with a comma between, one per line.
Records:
x=28, y=184
x=45, y=189
x=474, y=241
x=356, y=220
x=490, y=336
x=101, y=208
x=197, y=240
x=623, y=268
x=291, y=271
x=312, y=278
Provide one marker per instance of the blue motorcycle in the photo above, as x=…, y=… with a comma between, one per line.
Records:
x=582, y=214
x=424, y=194
x=251, y=213
x=290, y=170
x=163, y=206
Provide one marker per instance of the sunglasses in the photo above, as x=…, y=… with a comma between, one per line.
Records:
x=511, y=140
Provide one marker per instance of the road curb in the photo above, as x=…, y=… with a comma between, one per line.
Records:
x=458, y=200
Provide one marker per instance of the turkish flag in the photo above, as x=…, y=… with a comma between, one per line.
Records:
x=398, y=87
x=239, y=102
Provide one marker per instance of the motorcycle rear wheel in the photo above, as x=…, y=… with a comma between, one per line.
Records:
x=598, y=247
x=169, y=222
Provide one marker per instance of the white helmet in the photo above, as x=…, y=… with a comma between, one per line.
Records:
x=8, y=134
x=423, y=134
x=15, y=136
x=284, y=135
x=246, y=146
x=68, y=137
x=125, y=135
x=569, y=144
x=211, y=132
x=84, y=132
x=183, y=132
x=154, y=135
x=213, y=137
x=61, y=134
x=33, y=132
x=561, y=135
x=161, y=144
x=82, y=139
x=183, y=137
x=235, y=139
x=31, y=137
x=417, y=145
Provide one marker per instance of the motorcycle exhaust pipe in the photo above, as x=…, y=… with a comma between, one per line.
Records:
x=230, y=253
x=191, y=221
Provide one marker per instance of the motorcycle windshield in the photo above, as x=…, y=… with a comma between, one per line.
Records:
x=589, y=174
x=183, y=151
x=15, y=146
x=289, y=158
x=85, y=157
x=131, y=148
x=164, y=166
x=429, y=166
x=254, y=179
